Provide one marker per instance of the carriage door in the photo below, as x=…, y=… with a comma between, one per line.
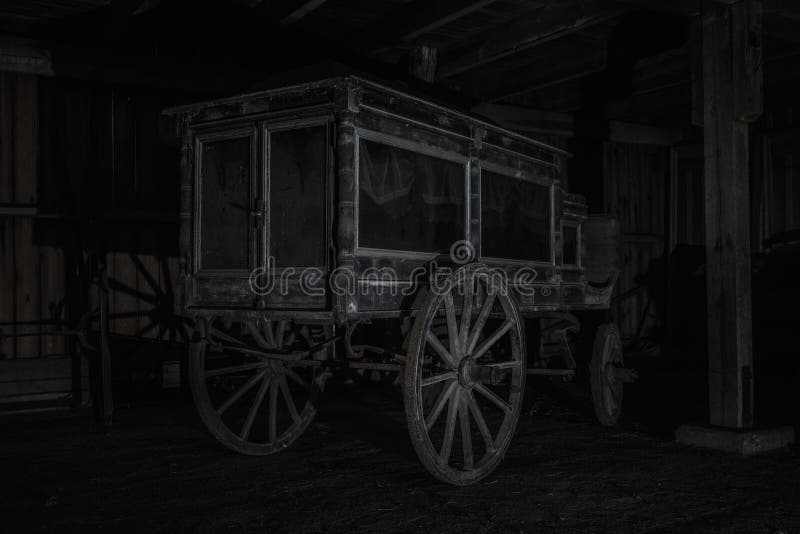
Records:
x=229, y=218
x=298, y=158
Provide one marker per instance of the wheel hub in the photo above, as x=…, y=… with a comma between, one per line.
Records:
x=468, y=373
x=275, y=367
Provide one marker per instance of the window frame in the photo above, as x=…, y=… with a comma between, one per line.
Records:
x=569, y=223
x=404, y=144
x=267, y=128
x=526, y=177
x=202, y=138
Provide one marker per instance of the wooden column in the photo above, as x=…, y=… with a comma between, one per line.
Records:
x=732, y=97
x=422, y=63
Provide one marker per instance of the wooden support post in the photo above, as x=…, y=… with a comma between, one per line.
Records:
x=422, y=63
x=732, y=95
x=106, y=377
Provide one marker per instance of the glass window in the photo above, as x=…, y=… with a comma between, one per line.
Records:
x=515, y=218
x=297, y=174
x=225, y=204
x=408, y=200
x=569, y=245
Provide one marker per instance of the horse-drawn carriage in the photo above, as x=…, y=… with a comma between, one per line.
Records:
x=342, y=224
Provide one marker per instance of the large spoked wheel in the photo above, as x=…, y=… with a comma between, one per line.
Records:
x=464, y=384
x=606, y=377
x=254, y=382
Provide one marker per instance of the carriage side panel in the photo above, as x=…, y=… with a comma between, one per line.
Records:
x=412, y=192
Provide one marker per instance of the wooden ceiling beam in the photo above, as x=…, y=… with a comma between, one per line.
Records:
x=300, y=10
x=522, y=119
x=284, y=12
x=435, y=15
x=535, y=121
x=417, y=18
x=24, y=55
x=537, y=84
x=555, y=64
x=783, y=8
x=683, y=7
x=555, y=20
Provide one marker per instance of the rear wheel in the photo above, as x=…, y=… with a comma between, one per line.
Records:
x=253, y=382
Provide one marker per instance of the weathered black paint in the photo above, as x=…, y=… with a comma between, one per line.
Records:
x=354, y=107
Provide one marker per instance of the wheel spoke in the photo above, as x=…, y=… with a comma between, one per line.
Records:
x=234, y=369
x=269, y=334
x=273, y=410
x=147, y=329
x=452, y=325
x=119, y=287
x=489, y=394
x=184, y=333
x=483, y=428
x=214, y=333
x=287, y=396
x=435, y=379
x=290, y=339
x=241, y=391
x=503, y=365
x=306, y=334
x=167, y=277
x=141, y=269
x=493, y=339
x=256, y=335
x=466, y=310
x=297, y=378
x=440, y=402
x=450, y=427
x=162, y=329
x=279, y=334
x=443, y=352
x=251, y=415
x=466, y=432
x=486, y=309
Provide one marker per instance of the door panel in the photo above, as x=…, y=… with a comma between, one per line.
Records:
x=298, y=169
x=298, y=166
x=225, y=205
x=228, y=218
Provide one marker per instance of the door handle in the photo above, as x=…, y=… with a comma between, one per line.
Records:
x=259, y=213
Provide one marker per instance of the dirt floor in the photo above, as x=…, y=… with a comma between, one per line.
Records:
x=158, y=470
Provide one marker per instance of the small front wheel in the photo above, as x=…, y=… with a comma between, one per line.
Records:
x=607, y=384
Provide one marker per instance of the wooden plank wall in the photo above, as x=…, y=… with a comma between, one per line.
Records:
x=142, y=256
x=31, y=273
x=126, y=178
x=41, y=379
x=636, y=192
x=73, y=153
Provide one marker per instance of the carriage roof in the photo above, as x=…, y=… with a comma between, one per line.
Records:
x=356, y=94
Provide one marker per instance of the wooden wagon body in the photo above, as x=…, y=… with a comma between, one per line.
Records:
x=338, y=127
x=343, y=202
